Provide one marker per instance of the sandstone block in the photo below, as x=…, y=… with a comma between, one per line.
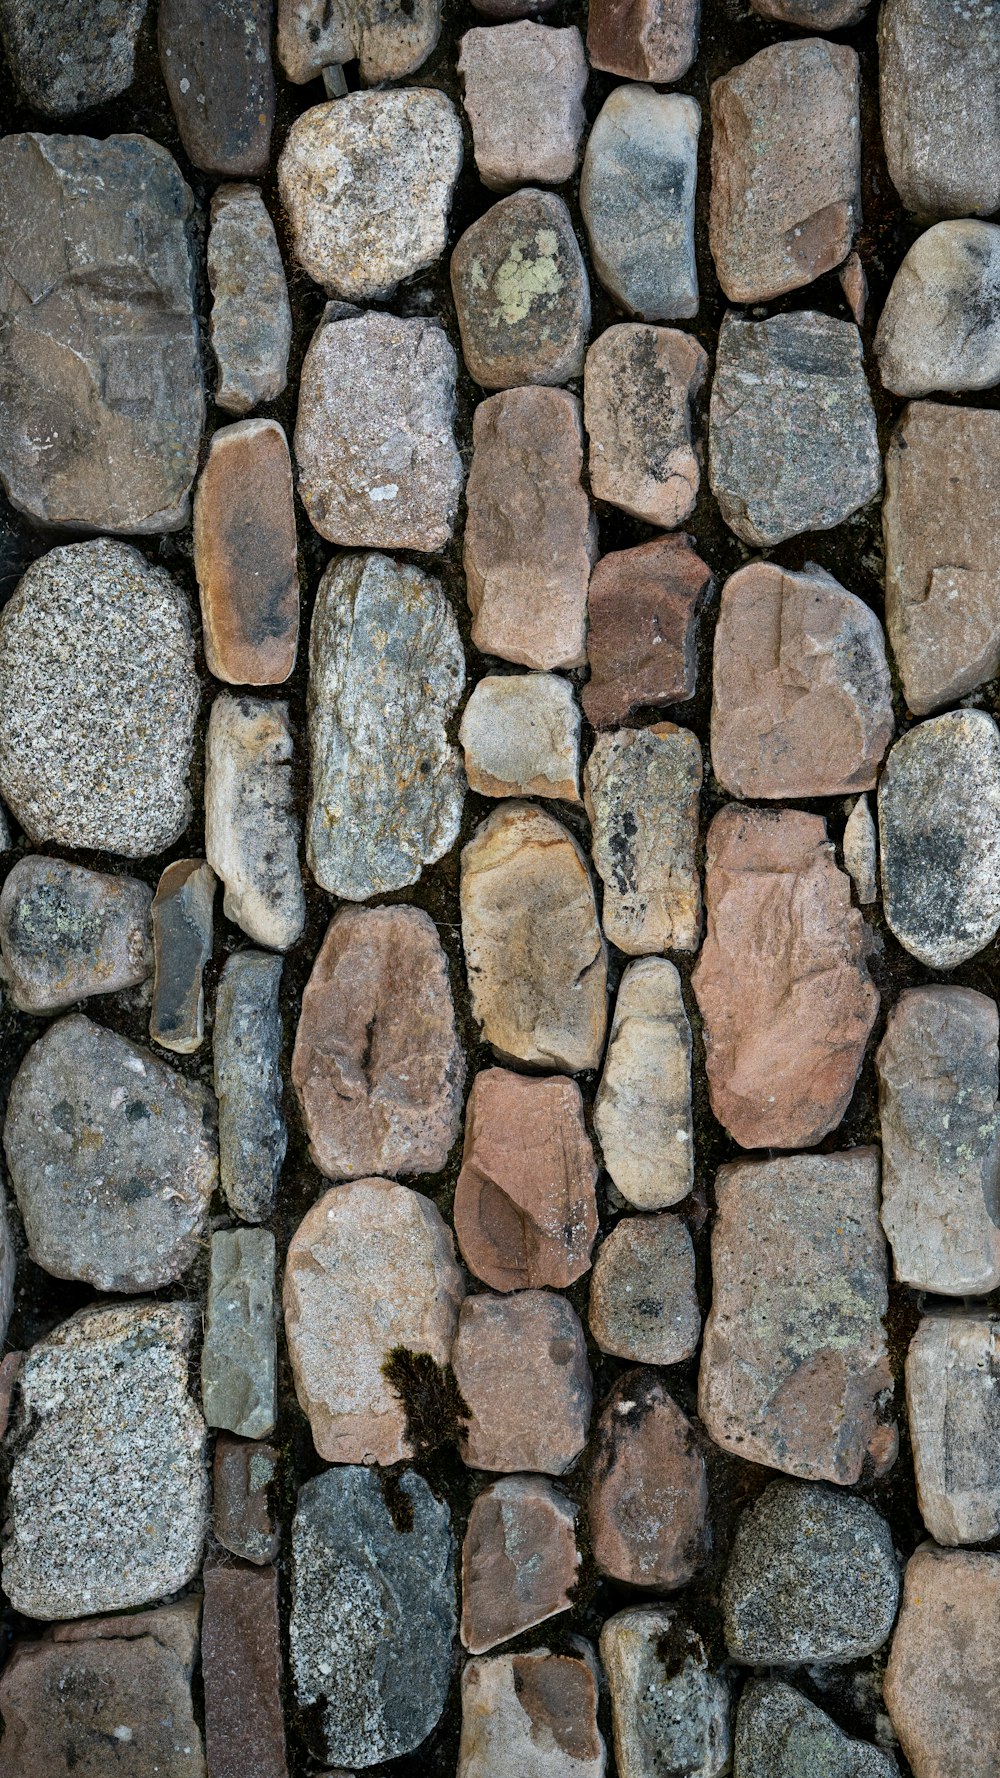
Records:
x=644, y=39
x=239, y=1358
x=524, y=86
x=953, y=1405
x=519, y=1560
x=643, y=1302
x=243, y=1478
x=942, y=1684
x=521, y=735
x=648, y=1494
x=246, y=1050
x=245, y=555
x=940, y=327
x=639, y=386
x=938, y=72
x=534, y=1714
x=242, y=1669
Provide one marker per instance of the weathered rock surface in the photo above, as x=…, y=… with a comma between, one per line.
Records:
x=860, y=846
x=853, y=281
x=521, y=736
x=520, y=1363
x=239, y=1358
x=938, y=72
x=243, y=1477
x=216, y=65
x=641, y=789
x=242, y=1671
x=644, y=39
x=251, y=322
x=251, y=829
x=643, y=608
x=182, y=945
x=940, y=327
x=246, y=1049
x=81, y=56
x=639, y=385
x=10, y=1369
x=521, y=293
x=67, y=933
x=643, y=1302
x=642, y=154
x=524, y=86
x=780, y=1734
x=670, y=1712
x=642, y=1112
x=941, y=1683
x=648, y=1493
x=389, y=38
x=519, y=1560
x=953, y=1406
x=245, y=555
x=534, y=1714
x=813, y=15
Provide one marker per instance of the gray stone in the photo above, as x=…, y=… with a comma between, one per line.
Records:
x=641, y=162
x=639, y=385
x=389, y=38
x=112, y=1156
x=953, y=1405
x=643, y=1301
x=521, y=736
x=8, y=1262
x=182, y=945
x=524, y=86
x=534, y=1714
x=108, y=1502
x=939, y=67
x=67, y=933
x=940, y=327
x=251, y=321
x=641, y=789
x=792, y=439
x=813, y=15
x=521, y=292
x=642, y=1112
x=71, y=54
x=216, y=66
x=780, y=1734
x=99, y=696
x=386, y=671
x=239, y=1359
x=373, y=1612
x=101, y=400
x=251, y=828
x=246, y=1048
x=861, y=851
x=669, y=1710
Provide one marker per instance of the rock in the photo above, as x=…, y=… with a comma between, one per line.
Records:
x=644, y=39
x=521, y=293
x=643, y=608
x=100, y=695
x=786, y=167
x=953, y=1407
x=520, y=1363
x=524, y=86
x=519, y=1560
x=641, y=790
x=534, y=955
x=243, y=1476
x=182, y=945
x=812, y=15
x=639, y=384
x=386, y=672
x=100, y=423
x=853, y=281
x=530, y=536
x=112, y=1156
x=239, y=1359
x=81, y=56
x=521, y=736
x=860, y=851
x=246, y=1050
x=216, y=65
x=251, y=322
x=648, y=1493
x=792, y=439
x=670, y=1712
x=370, y=1271
x=643, y=1302
x=525, y=1207
x=377, y=1065
x=780, y=1734
x=642, y=1112
x=245, y=555
x=942, y=1678
x=374, y=438
x=108, y=1504
x=940, y=327
x=642, y=157
x=67, y=933
x=534, y=1714
x=938, y=72
x=10, y=1368
x=939, y=836
x=781, y=980
x=390, y=38
x=941, y=524
x=242, y=1669
x=801, y=693
x=251, y=828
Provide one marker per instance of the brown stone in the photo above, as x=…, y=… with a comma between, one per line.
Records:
x=953, y=1409
x=519, y=1560
x=525, y=1207
x=643, y=1301
x=245, y=555
x=531, y=1714
x=216, y=62
x=182, y=945
x=854, y=281
x=643, y=628
x=813, y=15
x=942, y=1684
x=377, y=1065
x=243, y=1476
x=653, y=40
x=648, y=1494
x=641, y=789
x=241, y=1667
x=10, y=1370
x=781, y=981
x=520, y=1363
x=639, y=385
x=521, y=293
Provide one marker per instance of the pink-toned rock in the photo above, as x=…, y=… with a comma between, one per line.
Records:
x=648, y=1493
x=942, y=1684
x=244, y=1472
x=639, y=385
x=245, y=555
x=531, y=1714
x=782, y=981
x=520, y=1363
x=643, y=628
x=641, y=789
x=242, y=1671
x=643, y=1301
x=524, y=86
x=654, y=40
x=519, y=1560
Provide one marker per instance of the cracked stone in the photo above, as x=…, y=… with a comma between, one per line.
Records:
x=251, y=828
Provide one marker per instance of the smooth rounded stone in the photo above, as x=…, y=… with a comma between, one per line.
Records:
x=780, y=1734
x=642, y=609
x=648, y=1493
x=113, y=1158
x=246, y=1051
x=524, y=86
x=793, y=444
x=669, y=1710
x=860, y=846
x=108, y=1503
x=940, y=327
x=521, y=737
x=643, y=1301
x=642, y=1111
x=939, y=837
x=530, y=536
x=245, y=555
x=644, y=39
x=519, y=1560
x=375, y=433
x=521, y=293
x=79, y=54
x=373, y=1612
x=801, y=692
x=377, y=1064
x=642, y=160
x=639, y=386
x=939, y=65
x=390, y=38
x=100, y=695
x=953, y=1407
x=534, y=1714
x=216, y=66
x=781, y=981
x=250, y=325
x=241, y=1658
x=534, y=954
x=100, y=422
x=520, y=1363
x=67, y=933
x=641, y=789
x=239, y=1358
x=182, y=945
x=243, y=1480
x=251, y=828
x=942, y=1682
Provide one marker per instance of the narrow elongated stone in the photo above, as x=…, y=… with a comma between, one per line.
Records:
x=642, y=1113
x=639, y=385
x=521, y=293
x=653, y=40
x=519, y=1560
x=648, y=1493
x=216, y=63
x=244, y=555
x=246, y=1047
x=251, y=830
x=938, y=72
x=182, y=945
x=67, y=933
x=239, y=1358
x=942, y=1683
x=670, y=1711
x=243, y=1478
x=861, y=851
x=534, y=1714
x=251, y=321
x=641, y=790
x=953, y=1406
x=241, y=1665
x=643, y=150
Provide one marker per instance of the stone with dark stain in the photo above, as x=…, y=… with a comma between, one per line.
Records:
x=246, y=1050
x=639, y=387
x=244, y=1476
x=534, y=1714
x=182, y=945
x=648, y=1492
x=216, y=61
x=642, y=160
x=67, y=933
x=643, y=1302
x=654, y=40
x=641, y=789
x=521, y=292
x=241, y=1661
x=669, y=1709
x=642, y=637
x=245, y=555
x=69, y=55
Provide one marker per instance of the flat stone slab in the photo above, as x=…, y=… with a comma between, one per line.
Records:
x=252, y=832
x=239, y=1357
x=216, y=66
x=520, y=1560
x=642, y=153
x=534, y=1714
x=648, y=1493
x=642, y=1111
x=643, y=1302
x=780, y=1734
x=250, y=325
x=521, y=736
x=84, y=55
x=940, y=326
x=938, y=73
x=524, y=86
x=669, y=1710
x=942, y=1683
x=241, y=1658
x=639, y=386
x=521, y=293
x=245, y=555
x=520, y=1363
x=953, y=1407
x=643, y=39
x=642, y=633
x=641, y=789
x=67, y=933
x=246, y=1051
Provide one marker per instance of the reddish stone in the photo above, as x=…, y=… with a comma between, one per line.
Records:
x=520, y=1363
x=519, y=1560
x=533, y=1715
x=653, y=40
x=942, y=1684
x=241, y=1667
x=643, y=611
x=245, y=555
x=648, y=1493
x=243, y=1476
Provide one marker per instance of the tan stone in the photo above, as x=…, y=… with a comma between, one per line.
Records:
x=252, y=832
x=524, y=86
x=853, y=278
x=643, y=1303
x=648, y=1493
x=639, y=385
x=642, y=611
x=530, y=1714
x=642, y=1113
x=244, y=555
x=860, y=846
x=641, y=790
x=953, y=1407
x=521, y=735
x=520, y=1363
x=519, y=1560
x=942, y=1684
x=653, y=40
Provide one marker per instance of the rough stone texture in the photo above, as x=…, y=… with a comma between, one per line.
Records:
x=8, y=1257
x=530, y=536
x=786, y=167
x=644, y=39
x=642, y=1112
x=373, y=1612
x=792, y=439
x=73, y=55
x=386, y=671
x=370, y=1268
x=953, y=1406
x=99, y=696
x=377, y=1065
x=813, y=15
x=670, y=1712
x=521, y=293
x=780, y=1734
x=112, y=1156
x=639, y=385
x=519, y=1560
x=939, y=65
x=534, y=955
x=182, y=945
x=246, y=1050
x=641, y=789
x=108, y=1503
x=239, y=1359
x=648, y=1492
x=782, y=980
x=642, y=154
x=243, y=1477
x=643, y=1302
x=250, y=326
x=10, y=1366
x=67, y=933
x=524, y=86
x=853, y=281
x=374, y=438
x=251, y=829
x=938, y=1068
x=216, y=65
x=520, y=1363
x=242, y=1669
x=942, y=1682
x=643, y=608
x=534, y=1714
x=940, y=327
x=99, y=426
x=939, y=837
x=521, y=736
x=861, y=851
x=244, y=555
x=390, y=38
x=801, y=693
